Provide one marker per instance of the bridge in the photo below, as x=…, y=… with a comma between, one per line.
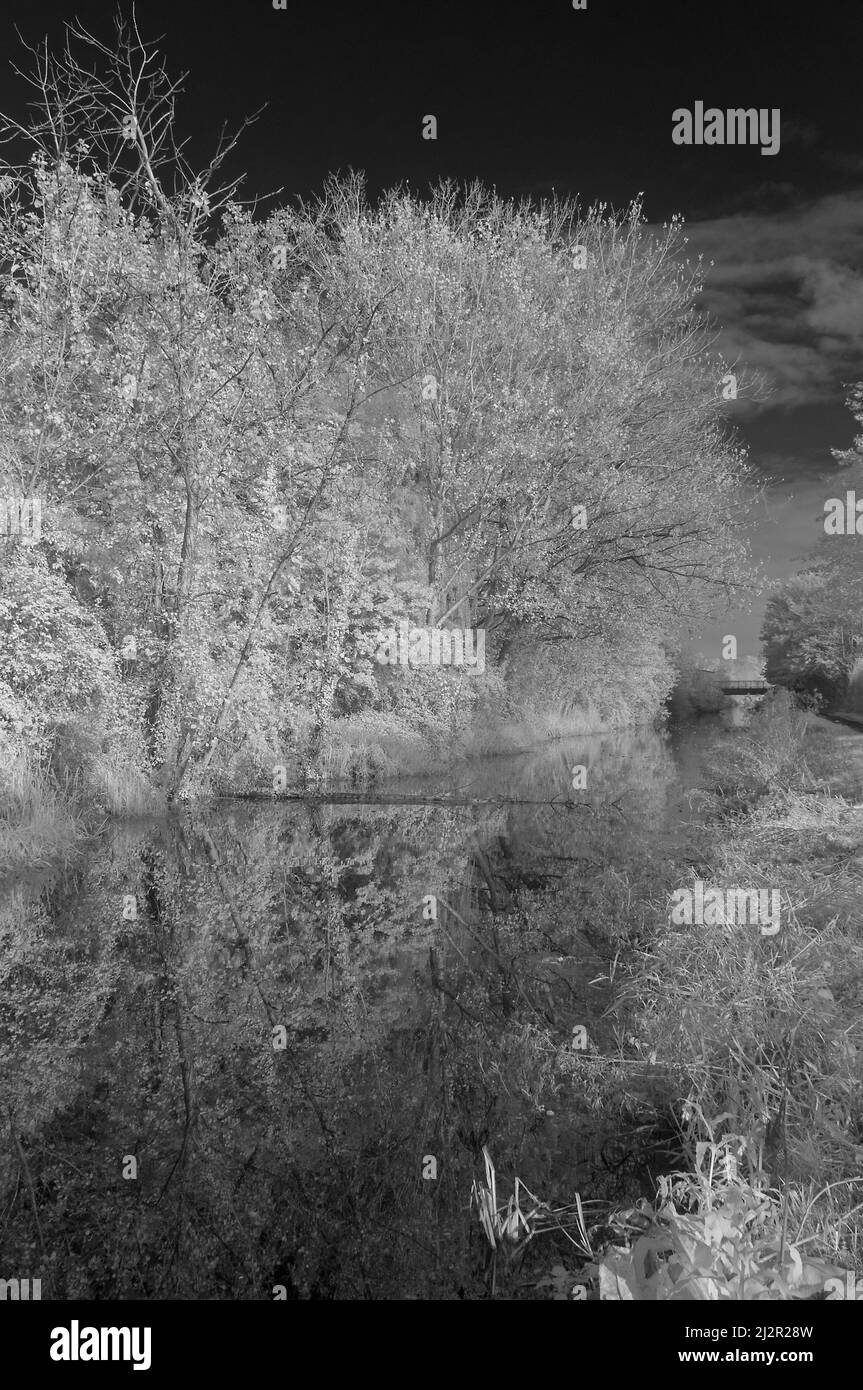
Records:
x=732, y=686
x=753, y=687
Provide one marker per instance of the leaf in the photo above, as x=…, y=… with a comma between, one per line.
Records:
x=616, y=1280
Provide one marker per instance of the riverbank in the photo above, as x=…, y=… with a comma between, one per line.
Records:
x=48, y=821
x=759, y=1036
x=45, y=821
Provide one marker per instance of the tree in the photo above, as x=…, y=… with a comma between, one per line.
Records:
x=258, y=440
x=517, y=388
x=813, y=630
x=181, y=420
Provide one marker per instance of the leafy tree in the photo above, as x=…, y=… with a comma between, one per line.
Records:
x=259, y=441
x=517, y=388
x=813, y=630
x=809, y=646
x=153, y=395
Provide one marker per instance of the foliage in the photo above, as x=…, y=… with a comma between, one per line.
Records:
x=811, y=641
x=245, y=477
x=697, y=690
x=812, y=630
x=711, y=1236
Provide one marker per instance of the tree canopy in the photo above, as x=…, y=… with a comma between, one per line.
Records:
x=260, y=439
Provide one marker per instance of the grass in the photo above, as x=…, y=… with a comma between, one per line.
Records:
x=121, y=789
x=753, y=1043
x=37, y=823
x=365, y=748
x=710, y=1234
x=766, y=1033
x=46, y=819
x=361, y=750
x=532, y=729
x=523, y=1215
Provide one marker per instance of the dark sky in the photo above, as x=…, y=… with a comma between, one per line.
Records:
x=538, y=96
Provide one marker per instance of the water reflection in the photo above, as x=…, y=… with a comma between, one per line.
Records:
x=230, y=1043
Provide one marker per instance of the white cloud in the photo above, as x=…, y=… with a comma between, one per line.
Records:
x=787, y=291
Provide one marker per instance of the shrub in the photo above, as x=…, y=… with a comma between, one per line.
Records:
x=710, y=1236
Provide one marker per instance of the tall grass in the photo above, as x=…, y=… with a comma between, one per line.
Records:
x=767, y=1033
x=46, y=816
x=751, y=1046
x=37, y=823
x=120, y=788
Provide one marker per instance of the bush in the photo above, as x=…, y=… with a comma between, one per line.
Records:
x=710, y=1236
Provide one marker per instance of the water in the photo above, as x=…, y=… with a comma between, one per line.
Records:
x=243, y=1051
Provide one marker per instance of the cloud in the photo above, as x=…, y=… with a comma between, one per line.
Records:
x=836, y=294
x=786, y=291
